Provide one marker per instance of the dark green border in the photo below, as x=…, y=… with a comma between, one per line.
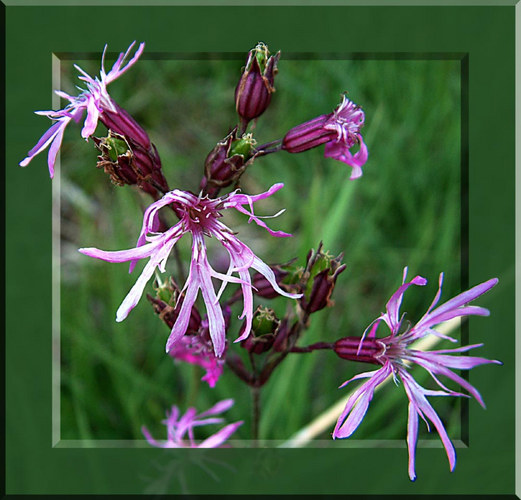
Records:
x=486, y=34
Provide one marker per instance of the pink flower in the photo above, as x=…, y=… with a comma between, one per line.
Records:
x=199, y=217
x=95, y=101
x=393, y=353
x=340, y=131
x=197, y=349
x=180, y=429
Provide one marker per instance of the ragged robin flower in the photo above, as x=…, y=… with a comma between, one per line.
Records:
x=199, y=216
x=180, y=428
x=97, y=103
x=340, y=131
x=394, y=354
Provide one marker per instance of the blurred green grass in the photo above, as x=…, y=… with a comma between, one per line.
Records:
x=405, y=210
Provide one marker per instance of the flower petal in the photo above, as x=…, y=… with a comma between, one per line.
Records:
x=192, y=288
x=221, y=436
x=358, y=404
x=412, y=438
x=416, y=396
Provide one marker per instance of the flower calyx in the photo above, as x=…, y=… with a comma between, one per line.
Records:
x=319, y=279
x=227, y=161
x=265, y=326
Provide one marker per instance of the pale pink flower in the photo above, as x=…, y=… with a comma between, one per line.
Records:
x=339, y=131
x=199, y=216
x=392, y=352
x=180, y=429
x=95, y=100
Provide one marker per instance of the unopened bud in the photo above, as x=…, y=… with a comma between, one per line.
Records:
x=253, y=92
x=282, y=334
x=127, y=164
x=227, y=162
x=322, y=270
x=263, y=331
x=167, y=305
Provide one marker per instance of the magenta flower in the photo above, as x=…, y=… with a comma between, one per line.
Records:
x=95, y=100
x=199, y=217
x=393, y=354
x=197, y=349
x=340, y=131
x=180, y=429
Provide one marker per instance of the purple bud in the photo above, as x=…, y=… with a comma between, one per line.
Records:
x=322, y=271
x=127, y=163
x=281, y=336
x=253, y=92
x=227, y=162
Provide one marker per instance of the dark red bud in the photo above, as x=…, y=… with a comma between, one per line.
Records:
x=253, y=92
x=323, y=286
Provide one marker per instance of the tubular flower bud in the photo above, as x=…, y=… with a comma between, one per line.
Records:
x=339, y=131
x=253, y=92
x=368, y=351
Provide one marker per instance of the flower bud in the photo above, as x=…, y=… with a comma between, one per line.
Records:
x=227, y=162
x=167, y=294
x=253, y=92
x=323, y=271
x=282, y=334
x=127, y=164
x=264, y=326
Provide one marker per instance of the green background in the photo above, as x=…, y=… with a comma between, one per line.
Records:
x=485, y=34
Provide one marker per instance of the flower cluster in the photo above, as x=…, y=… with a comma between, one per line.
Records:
x=129, y=157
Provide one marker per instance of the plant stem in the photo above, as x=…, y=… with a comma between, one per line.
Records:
x=255, y=394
